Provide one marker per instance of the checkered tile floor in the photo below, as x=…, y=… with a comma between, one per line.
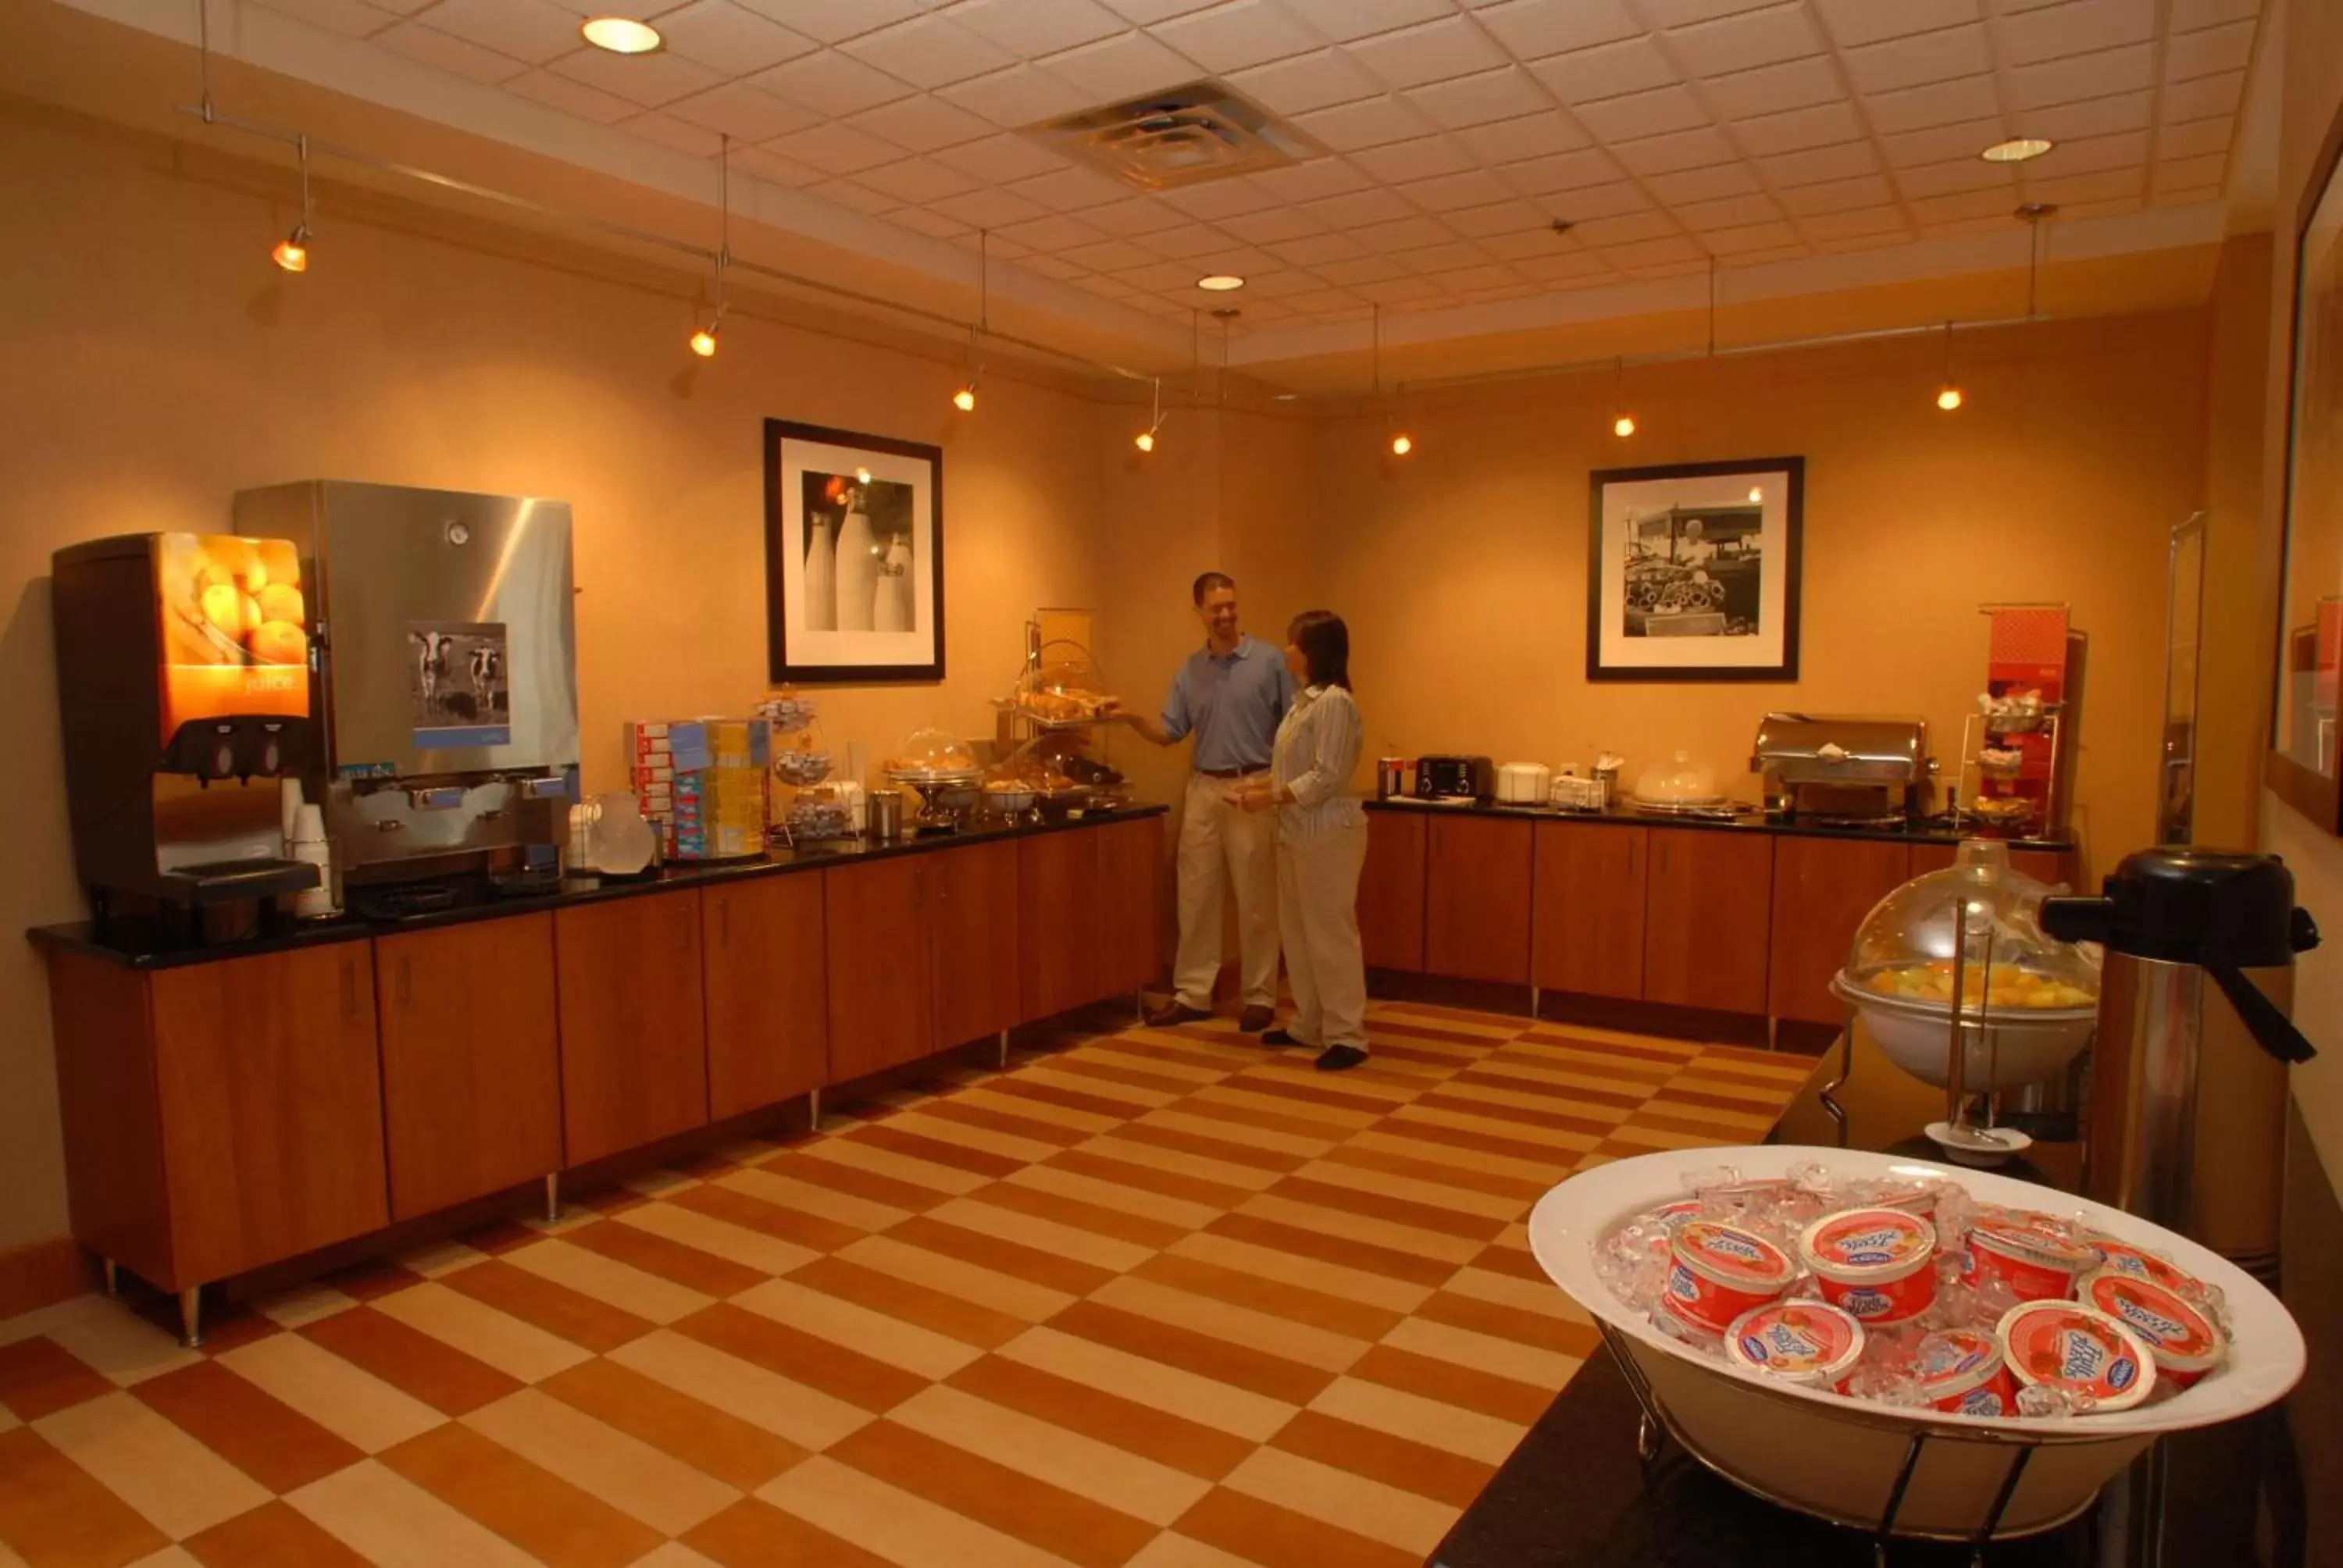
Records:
x=1156, y=1298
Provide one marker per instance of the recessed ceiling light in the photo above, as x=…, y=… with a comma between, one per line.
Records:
x=2015, y=151
x=1221, y=282
x=621, y=35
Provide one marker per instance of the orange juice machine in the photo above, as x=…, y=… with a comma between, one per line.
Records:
x=184, y=690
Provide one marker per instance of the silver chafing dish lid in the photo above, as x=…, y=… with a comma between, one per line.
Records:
x=1820, y=747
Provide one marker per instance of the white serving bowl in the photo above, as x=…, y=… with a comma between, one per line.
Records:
x=1838, y=1458
x=2029, y=1045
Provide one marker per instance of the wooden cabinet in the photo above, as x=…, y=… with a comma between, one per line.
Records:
x=1391, y=892
x=1130, y=906
x=766, y=965
x=269, y=1094
x=1586, y=928
x=1090, y=901
x=972, y=929
x=881, y=992
x=1476, y=906
x=471, y=1061
x=1822, y=889
x=634, y=1047
x=1708, y=901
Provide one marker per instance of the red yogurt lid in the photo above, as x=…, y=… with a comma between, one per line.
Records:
x=1738, y=1258
x=1862, y=1239
x=1806, y=1340
x=2035, y=1243
x=2123, y=1258
x=1955, y=1360
x=2179, y=1335
x=2076, y=1347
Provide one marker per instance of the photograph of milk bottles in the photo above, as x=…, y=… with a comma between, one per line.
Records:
x=853, y=555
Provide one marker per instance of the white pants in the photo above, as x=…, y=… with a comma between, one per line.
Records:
x=1318, y=913
x=1220, y=845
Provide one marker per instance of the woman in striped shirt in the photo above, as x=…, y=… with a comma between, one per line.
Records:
x=1322, y=843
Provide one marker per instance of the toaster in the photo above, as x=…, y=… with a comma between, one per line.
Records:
x=1525, y=783
x=1455, y=779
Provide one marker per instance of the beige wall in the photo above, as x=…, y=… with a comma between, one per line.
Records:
x=2080, y=445
x=2239, y=619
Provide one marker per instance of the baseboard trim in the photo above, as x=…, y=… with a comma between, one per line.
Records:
x=42, y=1273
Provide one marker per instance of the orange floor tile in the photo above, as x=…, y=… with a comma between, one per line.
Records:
x=1157, y=1297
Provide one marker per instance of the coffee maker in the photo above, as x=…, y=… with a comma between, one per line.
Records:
x=184, y=691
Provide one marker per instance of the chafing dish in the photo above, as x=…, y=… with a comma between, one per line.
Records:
x=1835, y=768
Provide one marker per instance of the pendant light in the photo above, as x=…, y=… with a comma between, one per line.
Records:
x=291, y=252
x=1623, y=423
x=1145, y=439
x=703, y=341
x=1948, y=397
x=964, y=399
x=1401, y=443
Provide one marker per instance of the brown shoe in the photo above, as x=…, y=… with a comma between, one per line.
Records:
x=1254, y=1019
x=1174, y=1012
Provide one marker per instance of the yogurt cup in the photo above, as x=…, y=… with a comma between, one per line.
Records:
x=2034, y=1263
x=2080, y=1349
x=1874, y=1263
x=1962, y=1372
x=2182, y=1341
x=2122, y=1258
x=1810, y=1344
x=1717, y=1273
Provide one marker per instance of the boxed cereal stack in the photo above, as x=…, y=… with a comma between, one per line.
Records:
x=702, y=782
x=650, y=763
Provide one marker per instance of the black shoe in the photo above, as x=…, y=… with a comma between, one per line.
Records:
x=1339, y=1058
x=1255, y=1019
x=1173, y=1013
x=1279, y=1037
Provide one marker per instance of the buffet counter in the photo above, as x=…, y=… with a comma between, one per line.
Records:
x=234, y=1106
x=1745, y=916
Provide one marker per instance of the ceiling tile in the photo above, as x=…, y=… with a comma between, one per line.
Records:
x=1652, y=114
x=1306, y=82
x=1857, y=22
x=1313, y=250
x=935, y=226
x=1680, y=150
x=2189, y=14
x=1136, y=216
x=996, y=157
x=834, y=21
x=1572, y=265
x=1500, y=94
x=1798, y=129
x=1531, y=136
x=1407, y=234
x=730, y=37
x=531, y=30
x=2075, y=27
x=1597, y=202
x=1321, y=301
x=2183, y=174
x=695, y=141
x=1745, y=94
x=860, y=198
x=2204, y=96
x=1684, y=12
x=1358, y=209
x=1217, y=199
x=1728, y=212
x=1368, y=122
x=446, y=52
x=1507, y=216
x=1817, y=165
x=1838, y=195
x=1525, y=245
x=1099, y=283
x=1021, y=95
x=741, y=112
x=2092, y=118
x=1343, y=20
x=1277, y=223
x=2189, y=56
x=1856, y=223
x=1746, y=41
x=924, y=124
x=1048, y=266
x=1239, y=34
x=1430, y=52
x=1355, y=272
x=1492, y=295
x=1939, y=104
x=1161, y=278
x=1667, y=248
x=1586, y=76
x=1486, y=275
x=2126, y=149
x=1473, y=187
x=828, y=82
x=1283, y=283
x=573, y=97
x=1965, y=175
x=768, y=165
x=1053, y=234
x=1072, y=189
x=2195, y=138
x=1533, y=29
x=1119, y=67
x=835, y=150
x=1704, y=185
x=1028, y=29
x=2077, y=76
x=1559, y=172
x=989, y=209
x=928, y=52
x=1935, y=211
x=2104, y=186
x=1414, y=160
x=1914, y=61
x=350, y=18
x=1942, y=144
x=1742, y=240
x=1147, y=12
x=2200, y=197
x=1419, y=292
x=1188, y=242
x=922, y=180
x=1307, y=182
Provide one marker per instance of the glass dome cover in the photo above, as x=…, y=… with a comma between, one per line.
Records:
x=1681, y=780
x=1903, y=950
x=932, y=754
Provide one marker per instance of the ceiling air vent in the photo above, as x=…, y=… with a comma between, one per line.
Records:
x=1178, y=138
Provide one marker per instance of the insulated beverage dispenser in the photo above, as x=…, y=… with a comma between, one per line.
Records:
x=2186, y=1119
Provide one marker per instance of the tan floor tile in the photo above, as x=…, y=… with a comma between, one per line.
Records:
x=42, y=1319
x=1373, y=1181
x=1353, y=1226
x=1396, y=1138
x=954, y=1316
x=862, y=1155
x=1173, y=1550
x=1009, y=1293
x=433, y=1259
x=273, y=1535
x=1160, y=1207
x=753, y=1533
x=547, y=1516
x=1345, y=1499
x=39, y=1375
x=899, y=1526
x=261, y=1435
x=1191, y=1448
x=1273, y=1536
x=172, y=1556
x=1049, y=1236
x=1510, y=1289
x=303, y=1305
x=676, y=1554
x=805, y=1416
x=411, y=1360
x=1099, y=1219
x=1206, y=1315
x=1544, y=1369
x=710, y=1441
x=979, y=1486
x=1335, y=1121
x=599, y=1459
x=53, y=1511
x=852, y=1326
x=180, y=1485
x=511, y=1344
x=1072, y=1116
x=985, y=1140
x=1135, y=1144
x=395, y=1524
x=1205, y=1121
x=1082, y=1086
x=355, y=1405
x=736, y=1243
x=608, y=1281
x=841, y=1207
x=1424, y=1469
x=1120, y=1371
x=1310, y=1273
x=1103, y=1471
x=122, y=1346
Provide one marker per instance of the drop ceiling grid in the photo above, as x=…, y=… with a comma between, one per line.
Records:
x=1677, y=134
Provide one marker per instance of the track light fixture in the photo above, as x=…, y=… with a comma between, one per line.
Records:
x=703, y=339
x=291, y=252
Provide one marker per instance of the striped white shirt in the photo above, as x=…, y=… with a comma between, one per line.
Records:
x=1317, y=751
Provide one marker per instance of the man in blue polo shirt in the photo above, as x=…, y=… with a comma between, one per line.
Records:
x=1231, y=695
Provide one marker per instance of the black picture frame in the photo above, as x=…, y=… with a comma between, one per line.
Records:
x=1790, y=473
x=789, y=659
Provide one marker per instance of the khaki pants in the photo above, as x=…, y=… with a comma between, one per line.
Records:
x=1220, y=845
x=1318, y=913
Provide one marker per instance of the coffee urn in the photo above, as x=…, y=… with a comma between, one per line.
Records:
x=2186, y=1119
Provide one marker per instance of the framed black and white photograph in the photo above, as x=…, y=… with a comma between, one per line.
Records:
x=854, y=562
x=1692, y=571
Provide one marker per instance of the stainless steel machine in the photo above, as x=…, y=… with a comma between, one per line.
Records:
x=446, y=681
x=1829, y=769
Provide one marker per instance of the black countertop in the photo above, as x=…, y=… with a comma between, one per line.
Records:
x=2262, y=1493
x=147, y=944
x=1747, y=821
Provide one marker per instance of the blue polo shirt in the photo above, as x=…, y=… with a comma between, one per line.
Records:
x=1232, y=703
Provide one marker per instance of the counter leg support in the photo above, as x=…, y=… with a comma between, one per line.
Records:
x=813, y=1111
x=112, y=1276
x=1004, y=1050
x=1138, y=1003
x=552, y=1197
x=191, y=1317
x=1536, y=997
